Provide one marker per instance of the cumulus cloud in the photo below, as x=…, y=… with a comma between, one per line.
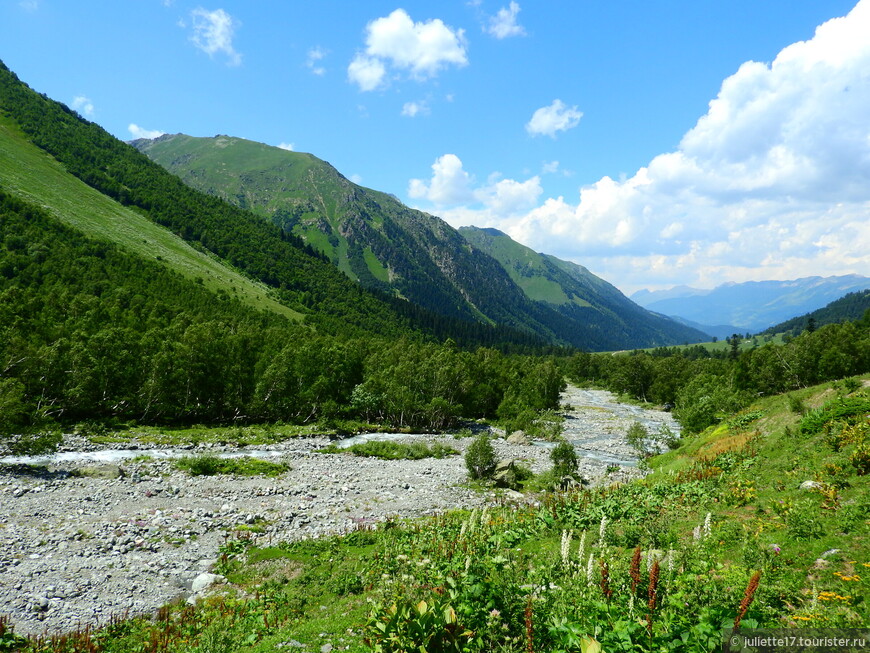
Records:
x=396, y=42
x=29, y=5
x=138, y=132
x=286, y=146
x=461, y=201
x=83, y=105
x=412, y=109
x=504, y=23
x=773, y=182
x=213, y=33
x=313, y=59
x=557, y=117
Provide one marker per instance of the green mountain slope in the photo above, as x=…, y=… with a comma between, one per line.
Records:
x=375, y=239
x=33, y=175
x=368, y=235
x=580, y=295
x=88, y=179
x=297, y=277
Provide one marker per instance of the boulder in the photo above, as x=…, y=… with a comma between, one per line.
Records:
x=205, y=580
x=505, y=475
x=518, y=437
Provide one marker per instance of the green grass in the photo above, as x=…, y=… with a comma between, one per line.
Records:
x=208, y=465
x=388, y=450
x=30, y=173
x=722, y=507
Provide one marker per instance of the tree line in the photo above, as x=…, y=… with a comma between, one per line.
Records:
x=702, y=387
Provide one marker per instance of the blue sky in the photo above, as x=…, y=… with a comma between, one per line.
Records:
x=656, y=143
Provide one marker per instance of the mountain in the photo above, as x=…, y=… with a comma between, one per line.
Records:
x=850, y=308
x=52, y=158
x=578, y=294
x=381, y=243
x=752, y=306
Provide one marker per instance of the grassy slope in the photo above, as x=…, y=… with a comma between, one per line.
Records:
x=368, y=235
x=29, y=172
x=321, y=591
x=576, y=292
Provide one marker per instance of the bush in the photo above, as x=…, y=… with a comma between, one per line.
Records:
x=637, y=436
x=564, y=458
x=480, y=458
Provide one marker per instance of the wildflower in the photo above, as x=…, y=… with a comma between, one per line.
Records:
x=748, y=595
x=652, y=594
x=696, y=534
x=707, y=527
x=602, y=530
x=605, y=580
x=775, y=548
x=566, y=546
x=670, y=561
x=589, y=569
x=634, y=569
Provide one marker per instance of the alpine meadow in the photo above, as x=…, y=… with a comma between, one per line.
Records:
x=249, y=404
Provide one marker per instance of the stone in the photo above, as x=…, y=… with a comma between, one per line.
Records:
x=205, y=580
x=520, y=438
x=810, y=485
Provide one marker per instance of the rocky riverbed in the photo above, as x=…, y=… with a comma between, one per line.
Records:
x=131, y=535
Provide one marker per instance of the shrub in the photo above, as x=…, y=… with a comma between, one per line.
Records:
x=480, y=458
x=637, y=436
x=564, y=458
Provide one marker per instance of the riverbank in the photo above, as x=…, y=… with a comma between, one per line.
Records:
x=131, y=535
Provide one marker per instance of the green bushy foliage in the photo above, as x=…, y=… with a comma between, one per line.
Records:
x=208, y=465
x=564, y=459
x=480, y=458
x=389, y=450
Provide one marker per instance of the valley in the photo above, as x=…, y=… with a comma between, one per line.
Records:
x=89, y=535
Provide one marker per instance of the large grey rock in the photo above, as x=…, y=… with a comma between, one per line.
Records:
x=206, y=580
x=518, y=437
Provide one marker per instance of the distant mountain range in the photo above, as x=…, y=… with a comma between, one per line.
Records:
x=752, y=306
x=384, y=245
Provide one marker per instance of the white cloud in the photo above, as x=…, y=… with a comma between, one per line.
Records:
x=554, y=118
x=138, y=132
x=83, y=105
x=450, y=184
x=355, y=178
x=313, y=59
x=460, y=201
x=286, y=146
x=504, y=23
x=366, y=72
x=412, y=109
x=421, y=49
x=773, y=182
x=29, y=5
x=213, y=32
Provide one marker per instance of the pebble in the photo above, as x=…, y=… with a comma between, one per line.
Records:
x=83, y=547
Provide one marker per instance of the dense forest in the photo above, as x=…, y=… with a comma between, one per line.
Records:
x=90, y=332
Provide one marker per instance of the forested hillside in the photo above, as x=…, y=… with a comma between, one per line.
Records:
x=612, y=320
x=377, y=240
x=848, y=308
